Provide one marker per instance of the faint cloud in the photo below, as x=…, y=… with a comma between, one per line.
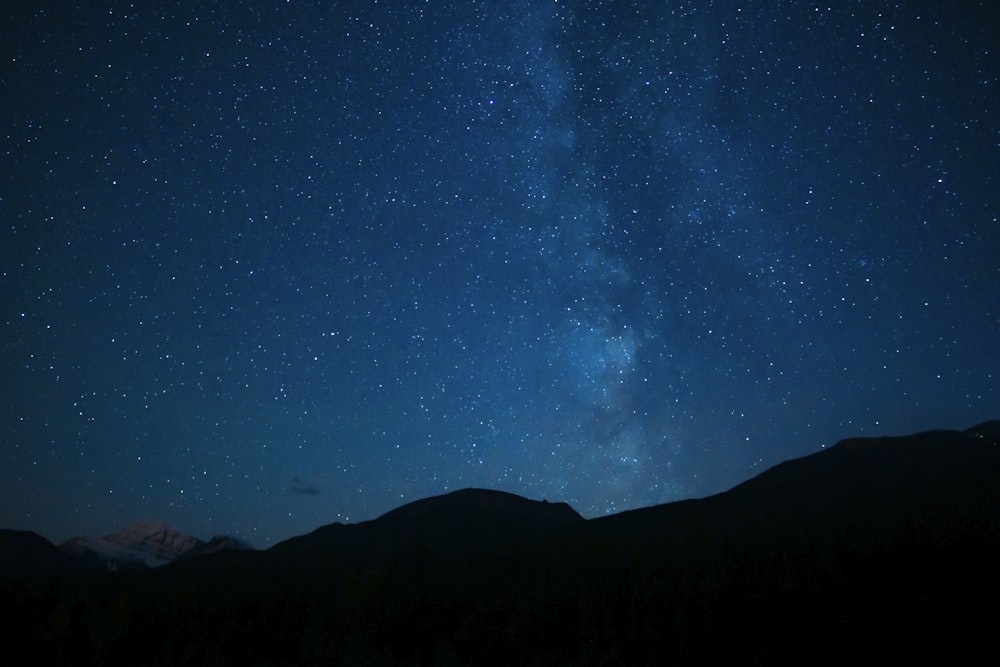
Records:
x=301, y=488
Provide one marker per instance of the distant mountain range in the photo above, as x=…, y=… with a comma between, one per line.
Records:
x=873, y=550
x=146, y=544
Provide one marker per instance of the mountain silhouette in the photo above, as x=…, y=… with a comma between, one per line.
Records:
x=459, y=521
x=28, y=558
x=871, y=550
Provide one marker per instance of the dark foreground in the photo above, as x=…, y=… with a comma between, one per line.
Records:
x=872, y=551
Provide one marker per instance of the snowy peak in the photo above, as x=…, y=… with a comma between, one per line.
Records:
x=157, y=541
x=146, y=544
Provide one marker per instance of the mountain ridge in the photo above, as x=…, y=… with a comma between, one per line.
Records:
x=823, y=548
x=155, y=543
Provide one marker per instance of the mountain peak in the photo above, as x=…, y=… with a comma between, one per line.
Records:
x=483, y=503
x=146, y=543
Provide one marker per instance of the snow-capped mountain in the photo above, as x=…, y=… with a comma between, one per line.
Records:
x=146, y=544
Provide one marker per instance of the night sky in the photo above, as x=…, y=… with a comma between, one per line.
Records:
x=265, y=269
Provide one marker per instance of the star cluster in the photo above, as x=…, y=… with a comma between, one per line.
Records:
x=269, y=267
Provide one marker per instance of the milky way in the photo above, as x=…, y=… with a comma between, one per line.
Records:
x=265, y=269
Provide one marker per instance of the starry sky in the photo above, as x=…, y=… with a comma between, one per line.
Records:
x=264, y=268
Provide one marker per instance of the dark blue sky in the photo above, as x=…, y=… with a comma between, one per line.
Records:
x=265, y=269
